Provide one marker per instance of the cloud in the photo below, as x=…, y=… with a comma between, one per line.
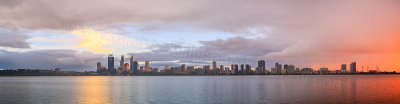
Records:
x=50, y=59
x=13, y=38
x=92, y=40
x=243, y=46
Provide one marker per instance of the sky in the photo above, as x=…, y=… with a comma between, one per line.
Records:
x=75, y=34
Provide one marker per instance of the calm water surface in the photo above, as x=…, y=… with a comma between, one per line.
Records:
x=376, y=89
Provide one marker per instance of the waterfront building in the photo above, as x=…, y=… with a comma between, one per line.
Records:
x=110, y=63
x=206, y=69
x=242, y=72
x=274, y=71
x=324, y=70
x=306, y=71
x=215, y=68
x=183, y=68
x=343, y=68
x=190, y=68
x=135, y=66
x=248, y=69
x=121, y=63
x=353, y=67
x=221, y=69
x=131, y=63
x=260, y=67
x=235, y=69
x=98, y=69
x=278, y=68
x=146, y=65
x=290, y=69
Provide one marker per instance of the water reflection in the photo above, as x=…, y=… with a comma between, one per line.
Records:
x=201, y=89
x=94, y=90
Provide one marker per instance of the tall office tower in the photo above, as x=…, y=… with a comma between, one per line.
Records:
x=248, y=67
x=147, y=65
x=214, y=65
x=131, y=63
x=221, y=69
x=261, y=66
x=353, y=67
x=214, y=69
x=206, y=69
x=235, y=68
x=344, y=67
x=285, y=66
x=242, y=69
x=183, y=68
x=110, y=62
x=121, y=63
x=135, y=66
x=278, y=68
x=98, y=67
x=290, y=69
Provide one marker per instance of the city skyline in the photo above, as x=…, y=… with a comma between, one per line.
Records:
x=214, y=69
x=199, y=51
x=71, y=35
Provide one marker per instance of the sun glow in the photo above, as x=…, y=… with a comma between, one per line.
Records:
x=92, y=40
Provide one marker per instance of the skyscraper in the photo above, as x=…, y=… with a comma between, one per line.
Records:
x=135, y=66
x=221, y=69
x=98, y=67
x=121, y=62
x=206, y=69
x=110, y=62
x=285, y=68
x=183, y=68
x=278, y=68
x=242, y=69
x=131, y=63
x=235, y=68
x=214, y=70
x=248, y=69
x=343, y=67
x=353, y=67
x=290, y=69
x=147, y=65
x=214, y=65
x=261, y=67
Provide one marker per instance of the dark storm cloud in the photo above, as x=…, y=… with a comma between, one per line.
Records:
x=13, y=38
x=47, y=59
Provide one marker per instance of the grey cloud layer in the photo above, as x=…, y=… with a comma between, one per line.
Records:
x=221, y=14
x=13, y=38
x=50, y=59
